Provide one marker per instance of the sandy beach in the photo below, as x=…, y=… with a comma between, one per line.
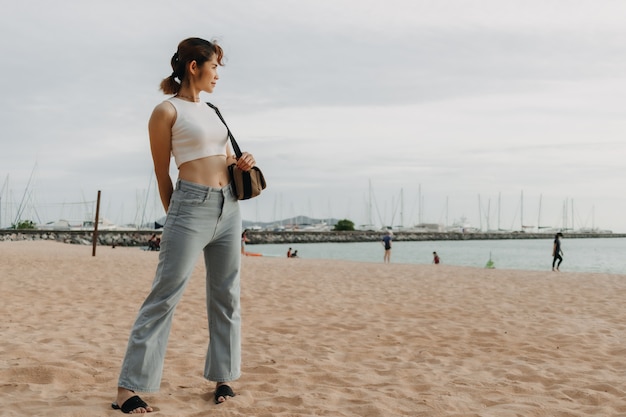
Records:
x=321, y=338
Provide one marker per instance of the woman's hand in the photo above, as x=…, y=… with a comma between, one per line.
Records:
x=246, y=162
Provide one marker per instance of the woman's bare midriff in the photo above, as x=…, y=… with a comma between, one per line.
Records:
x=211, y=171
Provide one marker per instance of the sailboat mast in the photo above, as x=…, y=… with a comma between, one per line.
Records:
x=6, y=181
x=419, y=202
x=22, y=206
x=593, y=218
x=488, y=214
x=369, y=207
x=499, y=195
x=447, y=211
x=572, y=214
x=401, y=207
x=480, y=215
x=522, y=210
x=539, y=215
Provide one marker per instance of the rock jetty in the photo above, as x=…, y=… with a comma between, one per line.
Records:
x=140, y=237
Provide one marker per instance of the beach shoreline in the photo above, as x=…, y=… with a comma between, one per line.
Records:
x=320, y=337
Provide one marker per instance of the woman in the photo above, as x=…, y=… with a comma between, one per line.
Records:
x=557, y=252
x=202, y=216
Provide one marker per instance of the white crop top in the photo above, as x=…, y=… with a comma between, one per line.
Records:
x=197, y=132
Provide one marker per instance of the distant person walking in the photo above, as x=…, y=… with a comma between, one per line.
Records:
x=557, y=252
x=436, y=258
x=289, y=253
x=386, y=242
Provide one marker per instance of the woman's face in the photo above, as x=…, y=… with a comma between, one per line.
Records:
x=207, y=78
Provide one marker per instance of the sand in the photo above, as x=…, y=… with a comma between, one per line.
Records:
x=321, y=338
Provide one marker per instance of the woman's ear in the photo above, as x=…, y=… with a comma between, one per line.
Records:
x=192, y=67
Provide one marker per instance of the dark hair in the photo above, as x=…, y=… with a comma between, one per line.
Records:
x=191, y=49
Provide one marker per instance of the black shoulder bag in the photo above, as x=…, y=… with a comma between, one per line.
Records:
x=246, y=184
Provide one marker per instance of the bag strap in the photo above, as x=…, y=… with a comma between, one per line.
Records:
x=230, y=135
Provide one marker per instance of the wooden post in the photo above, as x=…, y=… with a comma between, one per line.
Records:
x=95, y=227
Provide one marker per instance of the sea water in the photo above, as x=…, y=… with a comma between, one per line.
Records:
x=602, y=255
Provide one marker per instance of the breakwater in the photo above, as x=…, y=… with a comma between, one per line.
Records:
x=82, y=237
x=140, y=237
x=262, y=237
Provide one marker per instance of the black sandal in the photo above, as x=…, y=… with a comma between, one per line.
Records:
x=130, y=404
x=223, y=391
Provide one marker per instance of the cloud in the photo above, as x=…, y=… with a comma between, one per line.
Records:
x=458, y=98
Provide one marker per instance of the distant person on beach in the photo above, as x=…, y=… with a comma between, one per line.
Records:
x=203, y=217
x=154, y=243
x=435, y=258
x=244, y=240
x=386, y=242
x=557, y=252
x=289, y=253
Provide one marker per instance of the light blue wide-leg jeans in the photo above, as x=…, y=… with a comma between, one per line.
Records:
x=199, y=219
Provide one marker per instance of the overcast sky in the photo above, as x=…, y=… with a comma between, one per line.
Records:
x=468, y=104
